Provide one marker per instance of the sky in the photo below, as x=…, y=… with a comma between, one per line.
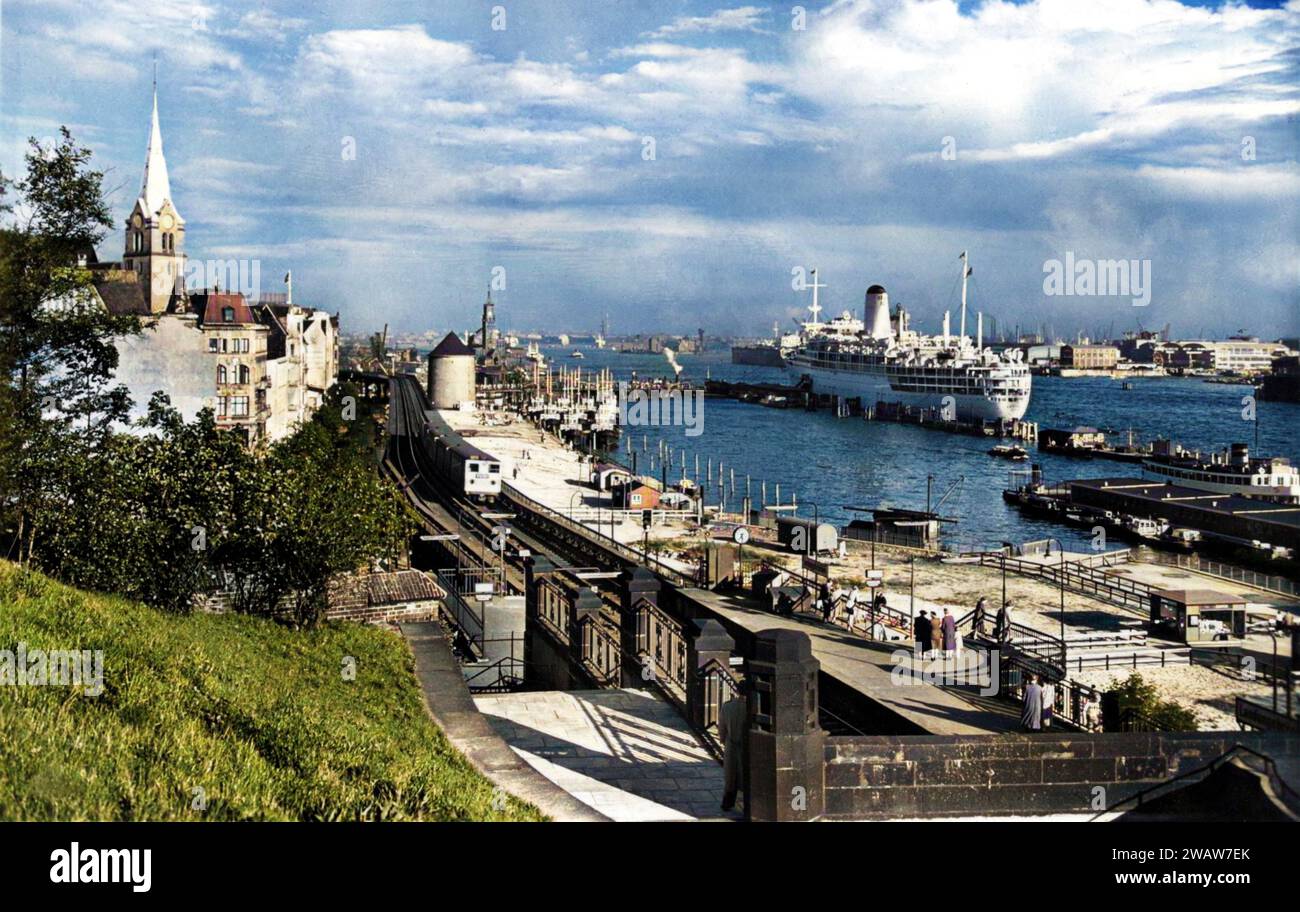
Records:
x=672, y=164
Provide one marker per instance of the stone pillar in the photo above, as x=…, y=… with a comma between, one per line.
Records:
x=636, y=584
x=711, y=643
x=585, y=605
x=786, y=769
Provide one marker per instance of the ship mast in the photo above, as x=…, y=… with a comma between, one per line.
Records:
x=815, y=308
x=965, y=271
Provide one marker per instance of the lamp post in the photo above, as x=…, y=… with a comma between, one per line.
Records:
x=1061, y=572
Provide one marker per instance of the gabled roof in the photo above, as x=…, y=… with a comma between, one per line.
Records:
x=214, y=303
x=451, y=345
x=122, y=291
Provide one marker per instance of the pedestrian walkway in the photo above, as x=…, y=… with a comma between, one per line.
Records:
x=627, y=754
x=868, y=667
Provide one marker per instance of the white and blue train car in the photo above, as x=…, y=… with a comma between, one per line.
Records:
x=462, y=465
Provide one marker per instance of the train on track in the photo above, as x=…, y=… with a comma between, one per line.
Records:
x=439, y=448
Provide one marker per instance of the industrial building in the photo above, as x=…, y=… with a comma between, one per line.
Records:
x=1226, y=516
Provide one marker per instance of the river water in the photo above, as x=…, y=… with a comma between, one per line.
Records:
x=835, y=463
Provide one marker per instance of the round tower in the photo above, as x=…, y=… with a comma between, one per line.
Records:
x=451, y=373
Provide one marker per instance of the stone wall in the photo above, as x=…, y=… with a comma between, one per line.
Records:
x=916, y=776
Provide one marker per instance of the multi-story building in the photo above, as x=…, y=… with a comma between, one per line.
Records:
x=262, y=366
x=1089, y=357
x=1236, y=355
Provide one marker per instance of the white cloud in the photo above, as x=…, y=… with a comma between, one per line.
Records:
x=740, y=18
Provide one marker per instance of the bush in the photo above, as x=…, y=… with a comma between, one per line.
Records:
x=1139, y=695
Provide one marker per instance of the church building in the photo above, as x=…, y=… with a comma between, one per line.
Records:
x=262, y=364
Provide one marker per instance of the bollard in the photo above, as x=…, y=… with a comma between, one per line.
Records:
x=710, y=643
x=786, y=768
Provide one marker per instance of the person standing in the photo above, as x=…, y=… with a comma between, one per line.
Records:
x=977, y=620
x=949, y=629
x=1031, y=711
x=1049, y=698
x=936, y=633
x=921, y=630
x=827, y=603
x=1000, y=624
x=733, y=719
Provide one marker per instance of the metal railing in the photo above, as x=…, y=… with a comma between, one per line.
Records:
x=1254, y=712
x=1265, y=766
x=601, y=653
x=1072, y=702
x=467, y=617
x=1080, y=578
x=1266, y=582
x=662, y=649
x=523, y=502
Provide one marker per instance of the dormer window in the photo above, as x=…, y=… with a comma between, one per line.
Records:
x=228, y=314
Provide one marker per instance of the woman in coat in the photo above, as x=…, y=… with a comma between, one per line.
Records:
x=949, y=630
x=936, y=634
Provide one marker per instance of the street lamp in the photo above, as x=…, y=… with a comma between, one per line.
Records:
x=1061, y=549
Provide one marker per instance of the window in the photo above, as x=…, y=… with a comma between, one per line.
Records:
x=238, y=406
x=223, y=345
x=221, y=373
x=243, y=373
x=222, y=406
x=494, y=468
x=228, y=314
x=214, y=345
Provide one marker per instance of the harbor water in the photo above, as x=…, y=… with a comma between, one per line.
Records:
x=834, y=463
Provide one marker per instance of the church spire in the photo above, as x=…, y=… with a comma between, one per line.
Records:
x=155, y=188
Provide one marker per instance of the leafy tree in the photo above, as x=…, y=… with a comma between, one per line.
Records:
x=57, y=351
x=312, y=509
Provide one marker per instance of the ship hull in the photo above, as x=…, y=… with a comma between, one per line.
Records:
x=873, y=387
x=761, y=355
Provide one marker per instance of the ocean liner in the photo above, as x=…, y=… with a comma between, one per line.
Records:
x=882, y=359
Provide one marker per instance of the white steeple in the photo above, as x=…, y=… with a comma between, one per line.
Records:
x=155, y=188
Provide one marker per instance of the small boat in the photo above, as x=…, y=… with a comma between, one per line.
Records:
x=1014, y=453
x=1144, y=527
x=576, y=354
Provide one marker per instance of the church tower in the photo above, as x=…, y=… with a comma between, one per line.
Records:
x=155, y=231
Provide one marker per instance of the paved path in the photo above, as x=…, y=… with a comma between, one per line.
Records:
x=627, y=754
x=867, y=667
x=448, y=701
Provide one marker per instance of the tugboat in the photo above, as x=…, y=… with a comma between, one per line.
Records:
x=1014, y=453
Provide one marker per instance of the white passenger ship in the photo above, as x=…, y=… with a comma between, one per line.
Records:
x=881, y=359
x=1232, y=471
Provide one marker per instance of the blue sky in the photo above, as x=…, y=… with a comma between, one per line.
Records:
x=1107, y=129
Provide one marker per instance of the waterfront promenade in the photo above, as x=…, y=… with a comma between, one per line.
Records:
x=866, y=666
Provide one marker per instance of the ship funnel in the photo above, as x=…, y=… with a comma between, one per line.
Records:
x=875, y=314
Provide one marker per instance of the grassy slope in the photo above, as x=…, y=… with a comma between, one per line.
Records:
x=257, y=716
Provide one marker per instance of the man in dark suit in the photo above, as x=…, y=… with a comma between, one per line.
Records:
x=921, y=630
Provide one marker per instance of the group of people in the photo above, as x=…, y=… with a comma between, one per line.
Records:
x=1001, y=624
x=934, y=634
x=1037, y=705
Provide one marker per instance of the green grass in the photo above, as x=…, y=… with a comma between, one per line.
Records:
x=257, y=716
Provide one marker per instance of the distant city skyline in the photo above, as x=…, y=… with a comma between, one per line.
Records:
x=671, y=166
